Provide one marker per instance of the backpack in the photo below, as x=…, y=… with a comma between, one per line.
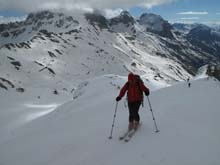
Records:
x=138, y=78
x=138, y=82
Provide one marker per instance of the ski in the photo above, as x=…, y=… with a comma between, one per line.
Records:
x=131, y=134
x=124, y=135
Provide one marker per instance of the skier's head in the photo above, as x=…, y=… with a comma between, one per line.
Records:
x=131, y=77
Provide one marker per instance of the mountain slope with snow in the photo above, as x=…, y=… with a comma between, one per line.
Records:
x=77, y=132
x=63, y=50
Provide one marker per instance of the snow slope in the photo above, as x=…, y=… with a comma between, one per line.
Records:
x=77, y=131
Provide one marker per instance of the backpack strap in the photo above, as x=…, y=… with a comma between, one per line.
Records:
x=139, y=87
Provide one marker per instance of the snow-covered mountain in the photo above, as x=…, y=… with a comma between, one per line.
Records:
x=20, y=32
x=156, y=24
x=60, y=74
x=64, y=49
x=205, y=38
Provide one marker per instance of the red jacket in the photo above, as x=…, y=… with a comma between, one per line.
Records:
x=134, y=89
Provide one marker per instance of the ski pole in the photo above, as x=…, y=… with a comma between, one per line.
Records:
x=152, y=115
x=110, y=137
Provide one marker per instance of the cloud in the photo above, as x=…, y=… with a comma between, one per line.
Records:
x=190, y=18
x=193, y=21
x=152, y=3
x=218, y=13
x=109, y=13
x=33, y=5
x=12, y=19
x=193, y=13
x=211, y=22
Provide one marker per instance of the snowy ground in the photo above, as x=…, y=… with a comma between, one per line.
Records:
x=77, y=132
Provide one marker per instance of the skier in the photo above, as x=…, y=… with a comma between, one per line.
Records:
x=189, y=84
x=135, y=88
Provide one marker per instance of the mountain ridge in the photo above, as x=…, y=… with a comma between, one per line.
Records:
x=100, y=46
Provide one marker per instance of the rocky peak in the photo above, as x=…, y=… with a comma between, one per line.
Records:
x=35, y=17
x=151, y=19
x=156, y=24
x=49, y=18
x=97, y=19
x=124, y=18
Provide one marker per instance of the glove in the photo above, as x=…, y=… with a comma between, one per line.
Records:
x=146, y=93
x=118, y=98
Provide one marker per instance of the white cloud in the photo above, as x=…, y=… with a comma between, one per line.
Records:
x=33, y=5
x=218, y=13
x=193, y=13
x=112, y=13
x=192, y=21
x=11, y=19
x=60, y=5
x=152, y=3
x=190, y=18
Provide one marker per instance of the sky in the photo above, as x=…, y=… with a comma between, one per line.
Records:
x=186, y=11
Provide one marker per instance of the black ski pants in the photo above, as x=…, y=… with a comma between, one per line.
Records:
x=133, y=111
